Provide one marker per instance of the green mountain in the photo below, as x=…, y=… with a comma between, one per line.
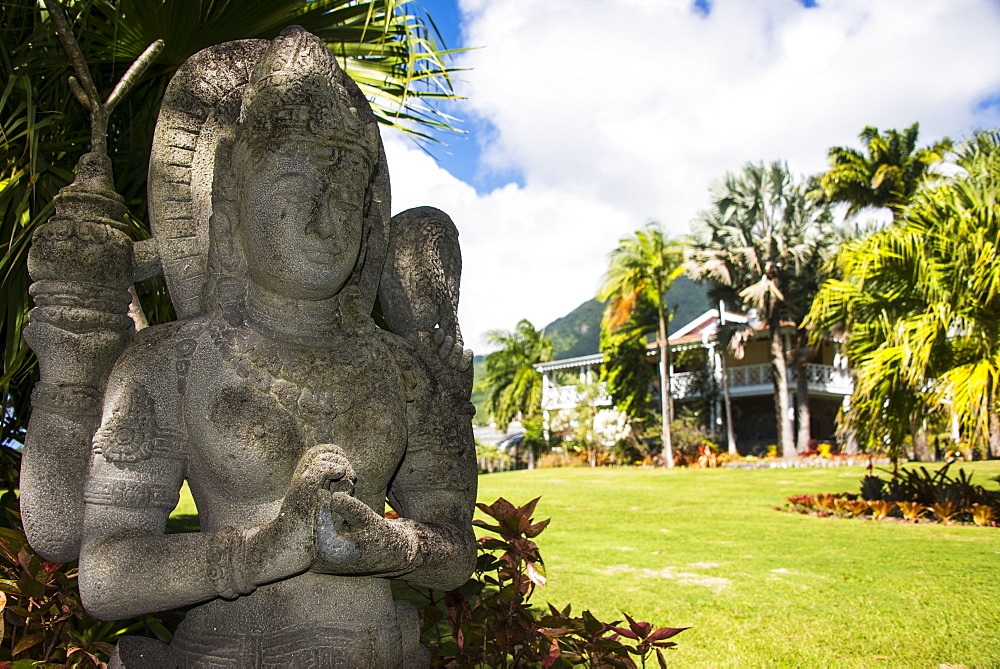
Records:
x=578, y=332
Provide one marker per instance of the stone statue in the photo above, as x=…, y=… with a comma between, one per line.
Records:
x=292, y=416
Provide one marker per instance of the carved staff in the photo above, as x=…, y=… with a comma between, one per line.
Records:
x=83, y=264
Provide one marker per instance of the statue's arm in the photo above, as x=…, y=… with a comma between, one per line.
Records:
x=433, y=491
x=129, y=567
x=137, y=464
x=54, y=466
x=435, y=486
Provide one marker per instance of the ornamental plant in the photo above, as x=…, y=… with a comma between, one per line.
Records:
x=911, y=510
x=880, y=508
x=912, y=492
x=489, y=621
x=855, y=507
x=984, y=515
x=945, y=511
x=42, y=622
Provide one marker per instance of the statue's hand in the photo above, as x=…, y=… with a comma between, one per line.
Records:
x=75, y=358
x=354, y=540
x=451, y=351
x=287, y=545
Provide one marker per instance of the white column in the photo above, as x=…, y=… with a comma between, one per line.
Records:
x=546, y=391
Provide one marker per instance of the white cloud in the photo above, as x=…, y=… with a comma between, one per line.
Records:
x=618, y=111
x=526, y=252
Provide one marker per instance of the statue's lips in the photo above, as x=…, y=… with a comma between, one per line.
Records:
x=321, y=256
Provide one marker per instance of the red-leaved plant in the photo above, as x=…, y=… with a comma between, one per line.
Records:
x=42, y=623
x=490, y=622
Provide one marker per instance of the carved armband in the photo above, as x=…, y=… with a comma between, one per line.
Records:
x=131, y=434
x=66, y=399
x=130, y=494
x=128, y=434
x=226, y=563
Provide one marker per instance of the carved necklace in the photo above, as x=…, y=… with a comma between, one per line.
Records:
x=315, y=384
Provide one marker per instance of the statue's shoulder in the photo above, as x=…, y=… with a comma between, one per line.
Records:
x=160, y=346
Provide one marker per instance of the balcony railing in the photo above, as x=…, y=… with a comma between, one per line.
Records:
x=568, y=397
x=743, y=380
x=751, y=379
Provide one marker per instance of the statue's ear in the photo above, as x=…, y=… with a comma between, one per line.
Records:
x=224, y=213
x=225, y=251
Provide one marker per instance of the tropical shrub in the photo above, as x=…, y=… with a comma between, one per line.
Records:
x=490, y=458
x=911, y=493
x=562, y=458
x=984, y=515
x=689, y=436
x=43, y=623
x=945, y=511
x=880, y=508
x=855, y=507
x=927, y=488
x=490, y=622
x=911, y=510
x=872, y=488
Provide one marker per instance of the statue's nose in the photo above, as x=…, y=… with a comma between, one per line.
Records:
x=323, y=224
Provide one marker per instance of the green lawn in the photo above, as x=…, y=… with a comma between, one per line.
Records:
x=759, y=587
x=706, y=548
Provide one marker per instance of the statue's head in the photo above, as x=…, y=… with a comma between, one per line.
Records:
x=293, y=183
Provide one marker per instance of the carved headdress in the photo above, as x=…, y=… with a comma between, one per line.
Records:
x=225, y=105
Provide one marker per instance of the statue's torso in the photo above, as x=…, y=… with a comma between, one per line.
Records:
x=248, y=409
x=250, y=415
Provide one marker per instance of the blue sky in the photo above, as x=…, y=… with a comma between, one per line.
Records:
x=459, y=154
x=587, y=118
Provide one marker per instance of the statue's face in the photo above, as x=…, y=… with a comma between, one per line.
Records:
x=301, y=211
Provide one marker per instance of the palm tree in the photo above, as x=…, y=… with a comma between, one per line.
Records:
x=886, y=175
x=513, y=383
x=756, y=245
x=391, y=51
x=819, y=241
x=919, y=304
x=642, y=268
x=626, y=371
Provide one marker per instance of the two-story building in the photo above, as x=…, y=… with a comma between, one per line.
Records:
x=704, y=373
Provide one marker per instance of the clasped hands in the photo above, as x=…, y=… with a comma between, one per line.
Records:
x=338, y=533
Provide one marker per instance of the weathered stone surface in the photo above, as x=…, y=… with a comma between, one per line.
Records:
x=292, y=416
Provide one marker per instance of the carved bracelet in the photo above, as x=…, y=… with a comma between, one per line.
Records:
x=227, y=564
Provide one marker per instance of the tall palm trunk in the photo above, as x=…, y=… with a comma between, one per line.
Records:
x=779, y=373
x=666, y=401
x=804, y=426
x=918, y=432
x=730, y=434
x=803, y=355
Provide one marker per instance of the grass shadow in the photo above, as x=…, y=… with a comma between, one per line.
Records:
x=183, y=522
